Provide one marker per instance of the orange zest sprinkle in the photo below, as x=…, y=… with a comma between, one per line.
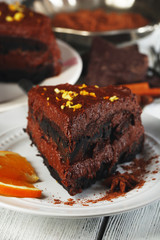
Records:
x=84, y=93
x=58, y=99
x=106, y=97
x=113, y=98
x=69, y=95
x=9, y=18
x=77, y=106
x=82, y=86
x=16, y=7
x=69, y=104
x=57, y=90
x=12, y=7
x=92, y=94
x=62, y=107
x=18, y=16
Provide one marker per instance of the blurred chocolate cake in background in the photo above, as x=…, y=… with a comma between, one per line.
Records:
x=28, y=48
x=111, y=65
x=107, y=64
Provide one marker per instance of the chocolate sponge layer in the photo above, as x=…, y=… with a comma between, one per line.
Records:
x=84, y=182
x=84, y=146
x=79, y=175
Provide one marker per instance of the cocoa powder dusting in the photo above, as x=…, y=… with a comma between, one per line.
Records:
x=70, y=202
x=57, y=201
x=118, y=184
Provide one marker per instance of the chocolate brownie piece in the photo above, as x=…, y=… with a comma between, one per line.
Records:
x=28, y=48
x=82, y=131
x=115, y=65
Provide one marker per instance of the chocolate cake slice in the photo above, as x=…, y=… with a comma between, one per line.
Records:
x=28, y=48
x=83, y=132
x=115, y=65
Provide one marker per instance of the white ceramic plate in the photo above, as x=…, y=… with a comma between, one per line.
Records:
x=18, y=141
x=11, y=95
x=153, y=108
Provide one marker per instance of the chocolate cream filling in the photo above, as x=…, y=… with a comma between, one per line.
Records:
x=8, y=44
x=85, y=146
x=35, y=75
x=80, y=175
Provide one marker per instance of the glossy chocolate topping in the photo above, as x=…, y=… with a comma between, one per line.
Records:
x=27, y=23
x=88, y=107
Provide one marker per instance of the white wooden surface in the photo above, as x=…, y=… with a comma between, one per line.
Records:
x=18, y=226
x=140, y=224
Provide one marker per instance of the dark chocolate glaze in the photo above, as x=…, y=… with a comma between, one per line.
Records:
x=33, y=25
x=95, y=111
x=115, y=65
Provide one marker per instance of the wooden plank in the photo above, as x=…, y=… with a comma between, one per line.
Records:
x=18, y=226
x=102, y=228
x=139, y=224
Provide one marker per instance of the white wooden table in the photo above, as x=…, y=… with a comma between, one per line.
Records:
x=143, y=223
x=140, y=224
